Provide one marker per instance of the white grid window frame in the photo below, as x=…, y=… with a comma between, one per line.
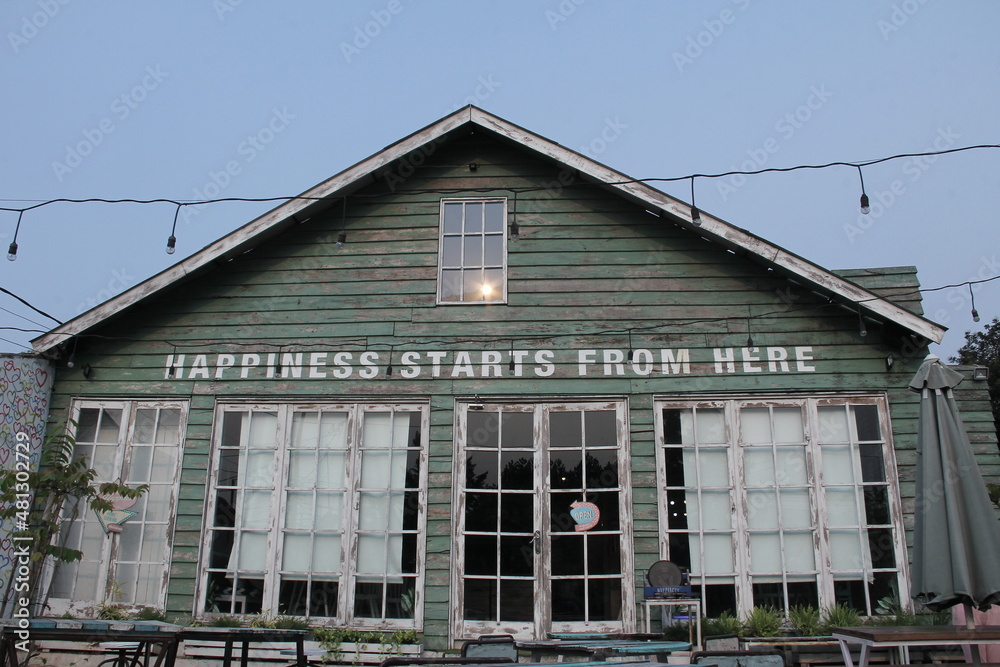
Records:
x=329, y=523
x=777, y=500
x=472, y=251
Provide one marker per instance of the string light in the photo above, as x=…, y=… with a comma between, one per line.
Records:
x=750, y=345
x=695, y=213
x=631, y=352
x=862, y=330
x=172, y=240
x=342, y=236
x=388, y=369
x=865, y=207
x=510, y=365
x=972, y=297
x=515, y=230
x=12, y=250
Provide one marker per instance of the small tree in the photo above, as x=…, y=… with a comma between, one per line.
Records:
x=983, y=349
x=57, y=490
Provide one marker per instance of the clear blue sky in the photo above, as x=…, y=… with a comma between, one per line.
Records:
x=154, y=99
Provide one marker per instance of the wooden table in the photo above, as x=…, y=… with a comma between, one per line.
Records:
x=246, y=636
x=143, y=633
x=904, y=636
x=601, y=650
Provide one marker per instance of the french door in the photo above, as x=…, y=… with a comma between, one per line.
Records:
x=542, y=541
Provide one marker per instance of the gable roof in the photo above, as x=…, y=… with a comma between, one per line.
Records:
x=296, y=210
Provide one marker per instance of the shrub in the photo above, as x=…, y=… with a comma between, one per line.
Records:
x=763, y=622
x=149, y=614
x=725, y=624
x=223, y=622
x=804, y=620
x=839, y=615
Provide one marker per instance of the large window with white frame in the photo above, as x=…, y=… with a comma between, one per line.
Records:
x=472, y=266
x=317, y=511
x=782, y=501
x=134, y=442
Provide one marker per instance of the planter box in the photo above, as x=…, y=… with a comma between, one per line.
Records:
x=265, y=652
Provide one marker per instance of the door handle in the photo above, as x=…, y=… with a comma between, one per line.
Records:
x=536, y=540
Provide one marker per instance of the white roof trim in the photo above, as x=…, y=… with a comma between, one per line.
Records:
x=714, y=229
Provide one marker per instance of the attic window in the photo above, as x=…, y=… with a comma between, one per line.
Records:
x=472, y=263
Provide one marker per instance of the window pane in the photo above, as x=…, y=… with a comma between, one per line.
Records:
x=755, y=426
x=452, y=218
x=718, y=554
x=866, y=417
x=838, y=464
x=799, y=552
x=711, y=426
x=494, y=278
x=494, y=216
x=472, y=285
x=473, y=253
x=792, y=465
x=451, y=285
x=565, y=429
x=795, y=509
x=482, y=429
x=451, y=252
x=145, y=424
x=473, y=217
x=601, y=428
x=716, y=510
x=762, y=509
x=494, y=251
x=833, y=424
x=518, y=430
x=842, y=506
x=714, y=467
x=765, y=553
x=759, y=467
x=845, y=550
x=788, y=425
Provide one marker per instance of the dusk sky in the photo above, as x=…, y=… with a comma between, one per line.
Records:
x=203, y=99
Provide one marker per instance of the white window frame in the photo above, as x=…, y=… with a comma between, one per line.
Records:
x=542, y=624
x=816, y=485
x=348, y=576
x=122, y=465
x=441, y=243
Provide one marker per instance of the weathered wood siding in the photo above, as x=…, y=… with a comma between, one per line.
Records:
x=587, y=268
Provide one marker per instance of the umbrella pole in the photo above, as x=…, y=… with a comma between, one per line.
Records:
x=970, y=624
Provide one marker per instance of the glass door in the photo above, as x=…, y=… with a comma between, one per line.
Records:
x=540, y=541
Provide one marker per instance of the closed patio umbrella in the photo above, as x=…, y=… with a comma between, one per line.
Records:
x=956, y=541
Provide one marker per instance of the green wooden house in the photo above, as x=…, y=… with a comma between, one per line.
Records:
x=479, y=383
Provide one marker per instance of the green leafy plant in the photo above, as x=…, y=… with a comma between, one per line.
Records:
x=804, y=620
x=994, y=491
x=289, y=623
x=62, y=486
x=113, y=612
x=763, y=621
x=149, y=614
x=839, y=616
x=223, y=622
x=724, y=624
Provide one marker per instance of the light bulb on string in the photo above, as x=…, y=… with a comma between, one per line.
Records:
x=12, y=248
x=862, y=330
x=972, y=298
x=695, y=213
x=388, y=369
x=515, y=229
x=865, y=205
x=750, y=346
x=172, y=240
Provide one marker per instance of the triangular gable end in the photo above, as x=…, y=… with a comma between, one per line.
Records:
x=676, y=211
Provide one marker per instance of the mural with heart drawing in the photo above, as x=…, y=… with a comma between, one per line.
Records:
x=25, y=392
